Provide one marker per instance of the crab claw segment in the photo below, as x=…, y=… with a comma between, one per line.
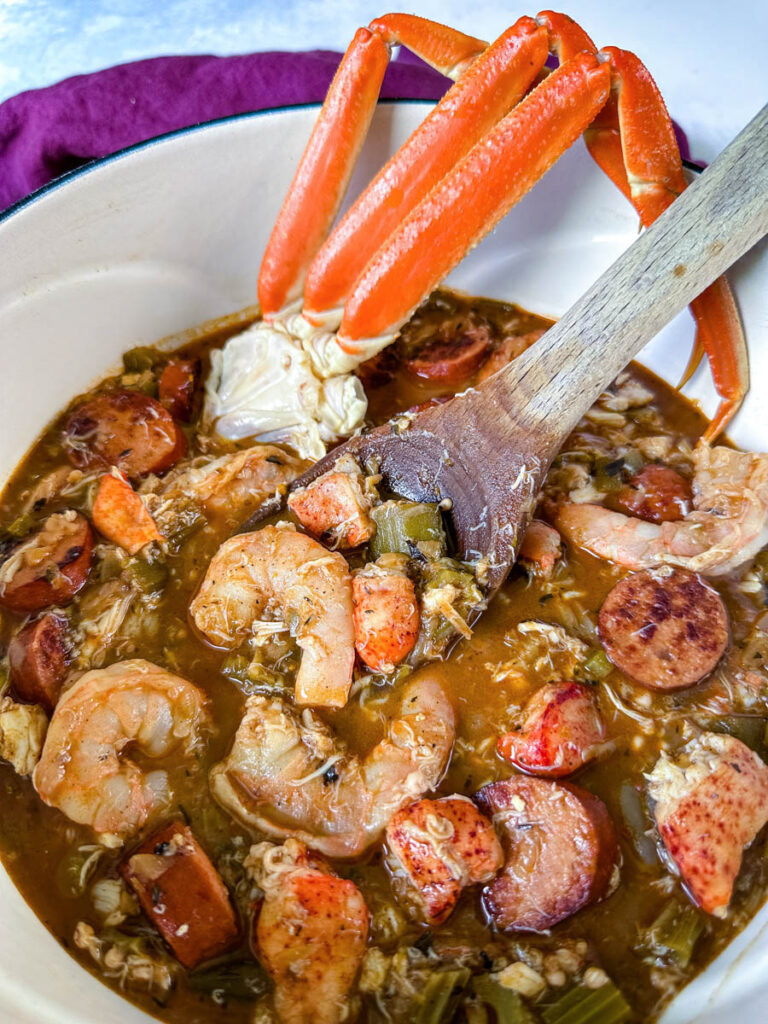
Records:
x=319, y=184
x=446, y=50
x=496, y=81
x=633, y=141
x=472, y=198
x=566, y=36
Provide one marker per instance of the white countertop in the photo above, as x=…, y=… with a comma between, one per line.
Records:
x=707, y=56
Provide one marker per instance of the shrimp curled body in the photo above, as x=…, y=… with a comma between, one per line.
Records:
x=727, y=528
x=284, y=574
x=81, y=770
x=290, y=776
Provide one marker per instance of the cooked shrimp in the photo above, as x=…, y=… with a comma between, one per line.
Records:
x=281, y=572
x=727, y=528
x=290, y=776
x=540, y=548
x=310, y=933
x=81, y=770
x=232, y=486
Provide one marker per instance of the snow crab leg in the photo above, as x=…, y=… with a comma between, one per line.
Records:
x=498, y=129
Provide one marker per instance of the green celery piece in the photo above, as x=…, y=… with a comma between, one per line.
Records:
x=605, y=1005
x=439, y=997
x=508, y=1005
x=597, y=665
x=141, y=358
x=675, y=932
x=149, y=577
x=400, y=525
x=244, y=980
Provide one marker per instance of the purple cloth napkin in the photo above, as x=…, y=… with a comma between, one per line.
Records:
x=45, y=132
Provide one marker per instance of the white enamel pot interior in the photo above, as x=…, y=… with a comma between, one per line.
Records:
x=170, y=234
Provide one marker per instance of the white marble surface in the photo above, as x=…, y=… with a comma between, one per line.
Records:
x=708, y=56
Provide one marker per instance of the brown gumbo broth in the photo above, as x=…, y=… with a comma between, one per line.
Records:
x=59, y=865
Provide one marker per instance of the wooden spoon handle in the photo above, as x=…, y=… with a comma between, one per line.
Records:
x=715, y=221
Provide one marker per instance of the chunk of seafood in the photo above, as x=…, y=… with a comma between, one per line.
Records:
x=540, y=548
x=386, y=616
x=182, y=894
x=335, y=506
x=22, y=732
x=233, y=485
x=727, y=528
x=282, y=573
x=83, y=769
x=666, y=629
x=121, y=516
x=268, y=385
x=711, y=801
x=561, y=730
x=290, y=776
x=437, y=848
x=310, y=932
x=561, y=851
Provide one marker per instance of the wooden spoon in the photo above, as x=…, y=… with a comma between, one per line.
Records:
x=489, y=448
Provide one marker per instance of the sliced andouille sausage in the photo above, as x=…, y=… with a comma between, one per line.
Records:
x=435, y=849
x=182, y=894
x=49, y=566
x=657, y=494
x=39, y=657
x=126, y=429
x=121, y=516
x=540, y=548
x=335, y=507
x=561, y=729
x=452, y=360
x=666, y=628
x=711, y=801
x=385, y=612
x=510, y=348
x=176, y=388
x=560, y=847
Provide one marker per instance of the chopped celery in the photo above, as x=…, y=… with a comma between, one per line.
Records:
x=637, y=822
x=404, y=526
x=750, y=729
x=438, y=999
x=597, y=665
x=674, y=933
x=141, y=358
x=245, y=979
x=475, y=1013
x=149, y=577
x=21, y=525
x=507, y=1004
x=604, y=1005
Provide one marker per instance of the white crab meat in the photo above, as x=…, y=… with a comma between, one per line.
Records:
x=264, y=385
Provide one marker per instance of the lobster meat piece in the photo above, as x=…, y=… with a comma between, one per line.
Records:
x=498, y=129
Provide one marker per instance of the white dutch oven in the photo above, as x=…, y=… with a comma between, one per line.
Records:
x=169, y=234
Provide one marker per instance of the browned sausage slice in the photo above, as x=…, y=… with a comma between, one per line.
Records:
x=451, y=360
x=666, y=628
x=38, y=657
x=49, y=566
x=436, y=848
x=561, y=730
x=176, y=388
x=182, y=894
x=657, y=494
x=561, y=851
x=126, y=429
